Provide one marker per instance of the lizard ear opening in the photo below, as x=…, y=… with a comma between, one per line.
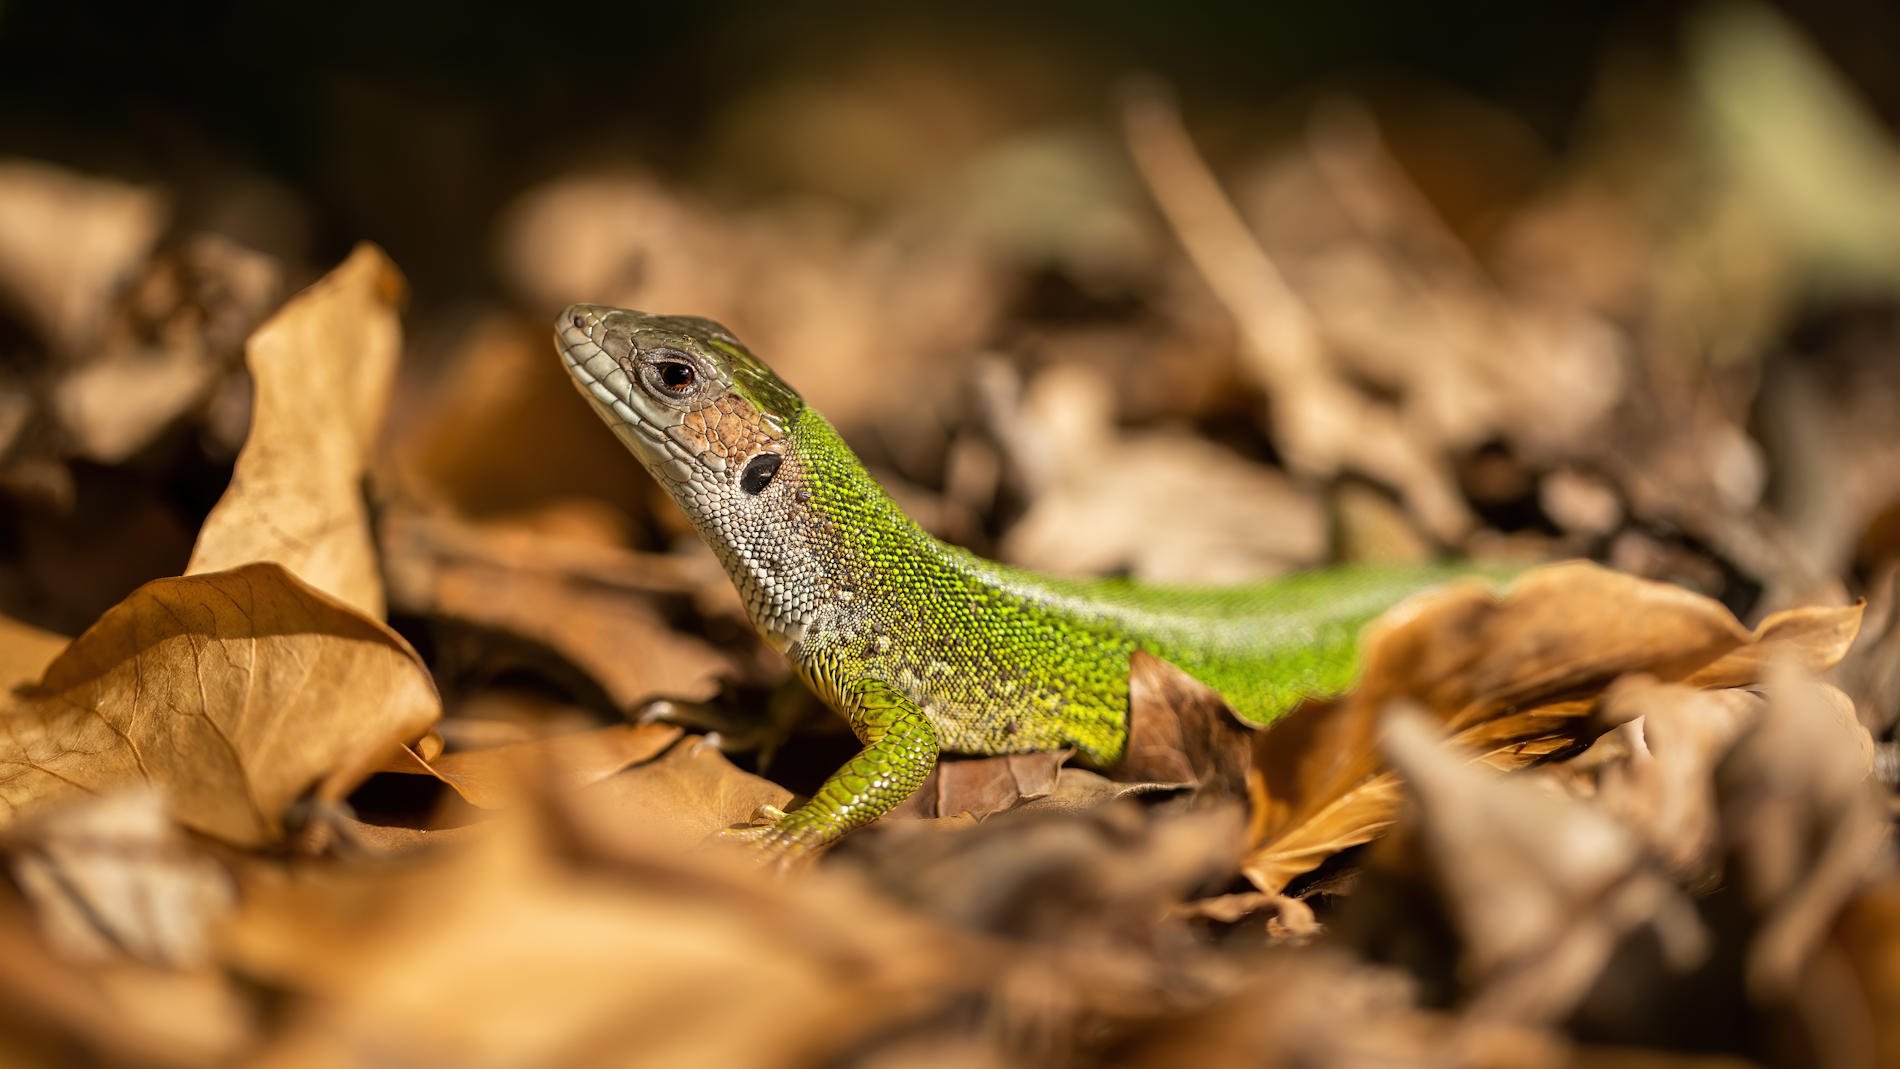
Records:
x=758, y=472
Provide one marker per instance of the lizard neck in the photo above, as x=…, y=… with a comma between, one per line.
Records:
x=828, y=542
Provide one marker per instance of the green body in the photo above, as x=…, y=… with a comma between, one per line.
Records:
x=1004, y=660
x=923, y=646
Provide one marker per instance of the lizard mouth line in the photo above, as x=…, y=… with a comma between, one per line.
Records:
x=605, y=384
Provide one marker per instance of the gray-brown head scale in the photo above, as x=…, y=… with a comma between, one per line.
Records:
x=706, y=417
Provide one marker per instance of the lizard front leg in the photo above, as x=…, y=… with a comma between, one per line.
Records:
x=900, y=749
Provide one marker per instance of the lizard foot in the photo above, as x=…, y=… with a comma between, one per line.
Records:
x=778, y=841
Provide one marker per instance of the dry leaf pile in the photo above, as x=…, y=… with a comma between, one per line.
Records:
x=362, y=703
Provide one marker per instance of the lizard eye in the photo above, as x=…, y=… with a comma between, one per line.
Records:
x=674, y=376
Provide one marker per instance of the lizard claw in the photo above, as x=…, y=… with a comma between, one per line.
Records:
x=774, y=844
x=757, y=828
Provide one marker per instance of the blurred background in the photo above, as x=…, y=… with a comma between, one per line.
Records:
x=1580, y=279
x=1191, y=293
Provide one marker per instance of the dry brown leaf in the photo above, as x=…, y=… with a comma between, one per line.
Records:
x=1097, y=490
x=1078, y=789
x=984, y=786
x=497, y=777
x=598, y=621
x=323, y=367
x=501, y=430
x=1181, y=732
x=508, y=950
x=25, y=651
x=66, y=242
x=112, y=875
x=1801, y=823
x=161, y=347
x=1540, y=889
x=54, y=1011
x=234, y=693
x=1507, y=679
x=347, y=837
x=688, y=795
x=1676, y=736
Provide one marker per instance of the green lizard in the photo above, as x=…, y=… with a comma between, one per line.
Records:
x=924, y=647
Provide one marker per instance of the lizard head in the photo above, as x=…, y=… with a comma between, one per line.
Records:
x=705, y=416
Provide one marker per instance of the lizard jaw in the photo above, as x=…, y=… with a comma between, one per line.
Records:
x=601, y=379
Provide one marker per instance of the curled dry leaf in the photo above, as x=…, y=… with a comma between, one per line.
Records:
x=234, y=693
x=1096, y=491
x=112, y=874
x=526, y=946
x=323, y=367
x=25, y=651
x=66, y=241
x=984, y=786
x=690, y=794
x=1181, y=732
x=1507, y=679
x=1802, y=825
x=1541, y=890
x=602, y=619
x=1676, y=736
x=495, y=777
x=57, y=1011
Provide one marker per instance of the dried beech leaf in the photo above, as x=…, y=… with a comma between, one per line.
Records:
x=25, y=651
x=1181, y=731
x=1662, y=790
x=496, y=777
x=500, y=435
x=234, y=693
x=984, y=786
x=602, y=619
x=1812, y=638
x=66, y=242
x=1542, y=890
x=54, y=1010
x=508, y=950
x=1801, y=824
x=323, y=368
x=1078, y=789
x=1508, y=679
x=112, y=874
x=1866, y=937
x=689, y=794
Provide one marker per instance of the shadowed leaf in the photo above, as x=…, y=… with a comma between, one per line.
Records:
x=1508, y=679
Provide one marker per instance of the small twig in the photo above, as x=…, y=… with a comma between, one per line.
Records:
x=1278, y=325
